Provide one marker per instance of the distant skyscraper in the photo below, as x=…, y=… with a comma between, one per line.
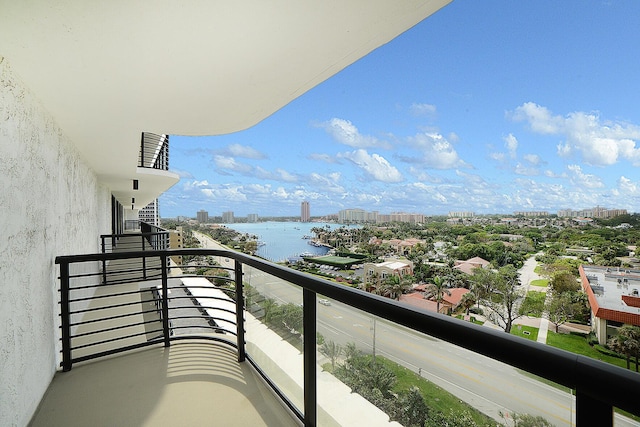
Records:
x=202, y=216
x=305, y=212
x=252, y=218
x=227, y=217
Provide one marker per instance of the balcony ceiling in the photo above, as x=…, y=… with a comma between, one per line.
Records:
x=107, y=71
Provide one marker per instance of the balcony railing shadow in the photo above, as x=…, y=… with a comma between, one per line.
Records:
x=176, y=305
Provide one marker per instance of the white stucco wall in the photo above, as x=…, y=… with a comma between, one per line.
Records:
x=51, y=203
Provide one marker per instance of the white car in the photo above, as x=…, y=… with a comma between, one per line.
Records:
x=324, y=301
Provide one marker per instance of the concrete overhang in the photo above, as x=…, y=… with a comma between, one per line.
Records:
x=109, y=70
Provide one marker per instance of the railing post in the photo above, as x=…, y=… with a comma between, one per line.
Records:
x=165, y=302
x=65, y=316
x=144, y=259
x=309, y=346
x=142, y=150
x=104, y=262
x=240, y=311
x=592, y=412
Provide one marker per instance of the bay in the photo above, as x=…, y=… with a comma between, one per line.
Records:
x=280, y=241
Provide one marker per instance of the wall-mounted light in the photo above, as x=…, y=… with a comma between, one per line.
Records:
x=135, y=184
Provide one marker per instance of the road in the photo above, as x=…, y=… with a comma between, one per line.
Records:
x=486, y=384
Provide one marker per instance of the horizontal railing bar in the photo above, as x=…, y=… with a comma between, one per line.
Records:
x=115, y=339
x=120, y=316
x=104, y=307
x=115, y=351
x=216, y=329
x=118, y=294
x=115, y=328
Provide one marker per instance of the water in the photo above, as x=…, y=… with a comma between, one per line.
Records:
x=283, y=240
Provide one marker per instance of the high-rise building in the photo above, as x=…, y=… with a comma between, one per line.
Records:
x=202, y=216
x=150, y=213
x=252, y=218
x=227, y=217
x=305, y=212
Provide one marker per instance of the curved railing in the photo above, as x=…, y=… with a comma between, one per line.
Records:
x=599, y=387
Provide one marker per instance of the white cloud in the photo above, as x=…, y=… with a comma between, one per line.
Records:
x=601, y=143
x=322, y=158
x=533, y=159
x=283, y=175
x=346, y=133
x=182, y=173
x=521, y=169
x=422, y=109
x=376, y=166
x=329, y=183
x=228, y=163
x=436, y=152
x=628, y=187
x=579, y=178
x=237, y=150
x=539, y=118
x=511, y=143
x=499, y=157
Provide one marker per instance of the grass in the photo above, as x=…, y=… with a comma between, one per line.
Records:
x=540, y=282
x=436, y=398
x=521, y=331
x=579, y=345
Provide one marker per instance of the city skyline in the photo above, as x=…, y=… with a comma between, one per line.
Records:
x=531, y=108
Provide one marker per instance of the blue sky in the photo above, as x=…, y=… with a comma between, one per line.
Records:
x=486, y=106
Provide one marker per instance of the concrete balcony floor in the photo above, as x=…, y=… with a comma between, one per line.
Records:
x=190, y=383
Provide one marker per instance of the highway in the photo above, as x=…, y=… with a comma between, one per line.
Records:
x=486, y=384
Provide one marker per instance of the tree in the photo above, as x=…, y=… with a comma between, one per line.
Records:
x=411, y=410
x=627, y=343
x=563, y=281
x=437, y=289
x=483, y=281
x=332, y=351
x=504, y=300
x=560, y=308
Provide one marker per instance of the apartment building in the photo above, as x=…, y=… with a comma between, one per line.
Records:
x=202, y=216
x=305, y=212
x=614, y=298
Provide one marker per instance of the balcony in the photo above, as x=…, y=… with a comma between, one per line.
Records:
x=154, y=151
x=162, y=343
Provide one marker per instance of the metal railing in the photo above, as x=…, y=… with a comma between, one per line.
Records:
x=598, y=386
x=154, y=151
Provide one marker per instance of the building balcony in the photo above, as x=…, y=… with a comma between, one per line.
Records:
x=169, y=346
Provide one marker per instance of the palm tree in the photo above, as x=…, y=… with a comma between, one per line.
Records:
x=394, y=286
x=467, y=301
x=438, y=289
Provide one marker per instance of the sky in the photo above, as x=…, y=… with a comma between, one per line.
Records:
x=486, y=106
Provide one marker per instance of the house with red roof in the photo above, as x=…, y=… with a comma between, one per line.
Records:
x=614, y=297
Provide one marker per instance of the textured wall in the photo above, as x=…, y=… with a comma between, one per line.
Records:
x=51, y=204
